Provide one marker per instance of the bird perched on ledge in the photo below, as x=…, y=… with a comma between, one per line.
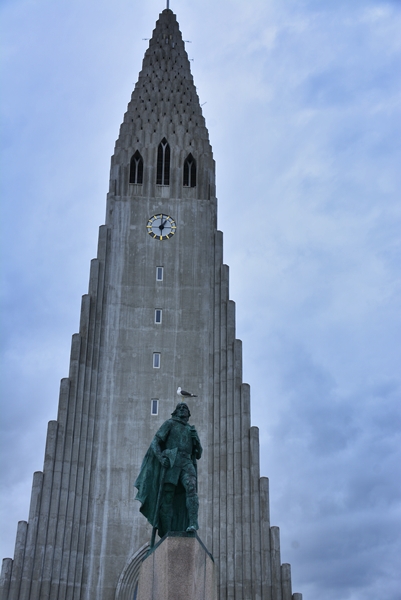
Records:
x=185, y=394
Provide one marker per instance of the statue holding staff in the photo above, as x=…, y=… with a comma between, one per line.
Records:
x=167, y=482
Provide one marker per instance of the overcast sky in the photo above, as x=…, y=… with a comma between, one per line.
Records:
x=303, y=107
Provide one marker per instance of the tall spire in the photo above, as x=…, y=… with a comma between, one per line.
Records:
x=165, y=98
x=164, y=104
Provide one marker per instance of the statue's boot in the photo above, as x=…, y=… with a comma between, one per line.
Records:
x=192, y=508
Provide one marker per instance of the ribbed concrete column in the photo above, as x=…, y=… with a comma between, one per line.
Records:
x=286, y=581
x=62, y=407
x=276, y=563
x=43, y=517
x=231, y=567
x=57, y=471
x=238, y=467
x=246, y=491
x=265, y=539
x=217, y=407
x=34, y=512
x=61, y=495
x=93, y=277
x=18, y=560
x=224, y=508
x=297, y=596
x=5, y=580
x=77, y=456
x=256, y=549
x=71, y=528
x=96, y=290
x=96, y=286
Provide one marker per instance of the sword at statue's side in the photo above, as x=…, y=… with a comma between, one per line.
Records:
x=171, y=455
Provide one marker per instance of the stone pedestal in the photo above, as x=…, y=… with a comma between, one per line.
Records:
x=179, y=568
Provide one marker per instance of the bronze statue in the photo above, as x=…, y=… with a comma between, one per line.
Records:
x=167, y=482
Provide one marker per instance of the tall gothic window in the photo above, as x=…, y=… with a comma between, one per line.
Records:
x=190, y=171
x=163, y=163
x=136, y=169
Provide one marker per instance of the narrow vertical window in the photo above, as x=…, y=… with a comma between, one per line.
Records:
x=156, y=360
x=136, y=169
x=154, y=406
x=189, y=171
x=158, y=315
x=159, y=273
x=163, y=163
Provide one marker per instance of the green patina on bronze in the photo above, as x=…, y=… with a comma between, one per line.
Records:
x=167, y=482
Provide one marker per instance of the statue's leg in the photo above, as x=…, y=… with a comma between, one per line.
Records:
x=166, y=509
x=188, y=480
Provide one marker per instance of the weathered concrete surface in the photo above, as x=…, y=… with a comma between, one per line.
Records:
x=178, y=569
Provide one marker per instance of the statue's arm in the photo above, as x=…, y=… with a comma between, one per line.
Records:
x=196, y=443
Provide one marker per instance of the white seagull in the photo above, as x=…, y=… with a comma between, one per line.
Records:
x=185, y=394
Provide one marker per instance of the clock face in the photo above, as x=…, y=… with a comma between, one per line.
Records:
x=161, y=227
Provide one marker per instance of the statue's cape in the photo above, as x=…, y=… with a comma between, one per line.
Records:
x=148, y=482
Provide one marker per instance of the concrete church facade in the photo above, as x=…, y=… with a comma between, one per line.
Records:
x=157, y=315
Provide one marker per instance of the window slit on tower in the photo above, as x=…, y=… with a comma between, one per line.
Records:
x=163, y=163
x=189, y=171
x=154, y=406
x=136, y=169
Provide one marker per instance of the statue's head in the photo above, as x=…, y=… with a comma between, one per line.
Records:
x=182, y=411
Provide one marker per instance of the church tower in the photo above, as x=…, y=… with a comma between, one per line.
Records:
x=157, y=315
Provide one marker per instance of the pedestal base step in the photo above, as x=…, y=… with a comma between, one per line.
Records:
x=178, y=568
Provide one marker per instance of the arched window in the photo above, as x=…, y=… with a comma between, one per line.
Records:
x=190, y=171
x=136, y=169
x=163, y=163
